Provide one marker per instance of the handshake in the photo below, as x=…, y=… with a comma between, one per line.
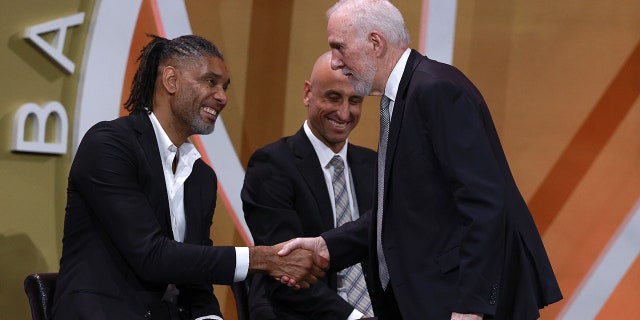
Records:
x=298, y=263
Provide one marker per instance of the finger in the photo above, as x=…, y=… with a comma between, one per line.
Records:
x=303, y=285
x=289, y=246
x=293, y=283
x=309, y=279
x=317, y=271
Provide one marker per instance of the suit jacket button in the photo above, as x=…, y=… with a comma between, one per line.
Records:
x=147, y=315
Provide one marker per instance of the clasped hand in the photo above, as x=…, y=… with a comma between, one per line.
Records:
x=294, y=262
x=316, y=245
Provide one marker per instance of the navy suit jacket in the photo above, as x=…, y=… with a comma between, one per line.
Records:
x=457, y=235
x=285, y=196
x=118, y=251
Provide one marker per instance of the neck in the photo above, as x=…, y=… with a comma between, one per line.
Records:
x=336, y=147
x=176, y=134
x=386, y=65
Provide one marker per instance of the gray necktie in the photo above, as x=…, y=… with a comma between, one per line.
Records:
x=382, y=152
x=354, y=282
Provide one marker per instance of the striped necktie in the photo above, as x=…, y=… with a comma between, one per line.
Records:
x=382, y=153
x=352, y=277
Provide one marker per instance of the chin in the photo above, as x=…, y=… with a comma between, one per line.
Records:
x=204, y=130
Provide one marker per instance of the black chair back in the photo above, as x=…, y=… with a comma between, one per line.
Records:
x=40, y=288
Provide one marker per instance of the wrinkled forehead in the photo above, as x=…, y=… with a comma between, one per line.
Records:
x=339, y=22
x=342, y=29
x=338, y=35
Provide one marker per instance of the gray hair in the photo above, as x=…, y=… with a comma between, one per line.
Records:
x=380, y=15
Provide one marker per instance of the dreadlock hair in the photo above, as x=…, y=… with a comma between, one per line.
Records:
x=158, y=51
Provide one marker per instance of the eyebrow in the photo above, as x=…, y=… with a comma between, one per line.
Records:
x=336, y=44
x=216, y=76
x=331, y=92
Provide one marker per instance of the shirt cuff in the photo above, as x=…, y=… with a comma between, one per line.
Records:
x=210, y=317
x=355, y=315
x=242, y=264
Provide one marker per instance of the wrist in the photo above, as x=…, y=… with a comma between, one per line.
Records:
x=258, y=258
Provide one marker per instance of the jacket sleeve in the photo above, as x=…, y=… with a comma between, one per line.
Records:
x=349, y=244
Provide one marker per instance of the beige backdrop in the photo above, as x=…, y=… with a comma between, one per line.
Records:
x=562, y=79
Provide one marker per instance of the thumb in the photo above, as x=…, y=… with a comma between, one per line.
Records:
x=321, y=262
x=289, y=246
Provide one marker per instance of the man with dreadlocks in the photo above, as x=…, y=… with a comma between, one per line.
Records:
x=140, y=201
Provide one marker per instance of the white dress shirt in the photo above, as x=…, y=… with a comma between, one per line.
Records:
x=393, y=82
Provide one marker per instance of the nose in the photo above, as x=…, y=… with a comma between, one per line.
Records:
x=342, y=110
x=221, y=97
x=336, y=62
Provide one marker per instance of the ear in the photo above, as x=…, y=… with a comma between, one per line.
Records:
x=170, y=79
x=307, y=91
x=378, y=42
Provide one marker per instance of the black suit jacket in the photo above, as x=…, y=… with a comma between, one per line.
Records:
x=457, y=235
x=285, y=196
x=118, y=251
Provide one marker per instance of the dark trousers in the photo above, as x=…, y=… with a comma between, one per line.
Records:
x=389, y=307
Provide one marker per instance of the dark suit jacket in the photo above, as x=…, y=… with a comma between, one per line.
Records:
x=118, y=250
x=457, y=234
x=285, y=196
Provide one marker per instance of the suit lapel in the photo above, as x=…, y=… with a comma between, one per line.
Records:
x=158, y=192
x=193, y=205
x=362, y=178
x=398, y=111
x=309, y=167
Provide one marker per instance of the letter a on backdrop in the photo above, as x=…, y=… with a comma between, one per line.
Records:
x=54, y=50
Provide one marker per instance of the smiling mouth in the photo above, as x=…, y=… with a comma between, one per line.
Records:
x=340, y=125
x=211, y=111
